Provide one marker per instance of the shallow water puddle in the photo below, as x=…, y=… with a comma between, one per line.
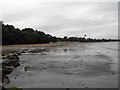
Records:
x=97, y=68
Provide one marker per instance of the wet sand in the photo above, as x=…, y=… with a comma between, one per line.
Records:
x=71, y=65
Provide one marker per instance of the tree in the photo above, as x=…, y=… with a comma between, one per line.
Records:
x=65, y=38
x=12, y=35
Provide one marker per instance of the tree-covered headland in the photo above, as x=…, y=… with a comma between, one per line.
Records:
x=12, y=35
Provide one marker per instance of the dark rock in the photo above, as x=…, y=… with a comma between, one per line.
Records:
x=7, y=70
x=5, y=79
x=15, y=56
x=19, y=53
x=12, y=56
x=4, y=88
x=3, y=54
x=37, y=51
x=26, y=68
x=13, y=63
x=4, y=57
x=23, y=51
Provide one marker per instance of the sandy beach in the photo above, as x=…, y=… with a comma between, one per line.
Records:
x=66, y=65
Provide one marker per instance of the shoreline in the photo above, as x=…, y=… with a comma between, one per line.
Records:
x=56, y=43
x=74, y=65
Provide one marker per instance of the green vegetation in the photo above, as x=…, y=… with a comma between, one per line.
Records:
x=12, y=35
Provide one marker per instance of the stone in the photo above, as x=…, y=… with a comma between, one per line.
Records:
x=23, y=51
x=12, y=56
x=19, y=53
x=3, y=88
x=13, y=63
x=26, y=68
x=5, y=79
x=7, y=70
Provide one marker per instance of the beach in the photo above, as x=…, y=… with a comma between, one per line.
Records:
x=65, y=65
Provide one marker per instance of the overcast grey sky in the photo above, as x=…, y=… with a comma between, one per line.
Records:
x=70, y=18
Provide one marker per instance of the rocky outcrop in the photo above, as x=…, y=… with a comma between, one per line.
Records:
x=11, y=57
x=6, y=70
x=5, y=79
x=9, y=63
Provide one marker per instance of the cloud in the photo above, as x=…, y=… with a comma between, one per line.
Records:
x=97, y=20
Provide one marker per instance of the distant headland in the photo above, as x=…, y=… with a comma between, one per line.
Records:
x=12, y=35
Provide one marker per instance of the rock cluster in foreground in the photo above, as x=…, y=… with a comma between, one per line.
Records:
x=9, y=63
